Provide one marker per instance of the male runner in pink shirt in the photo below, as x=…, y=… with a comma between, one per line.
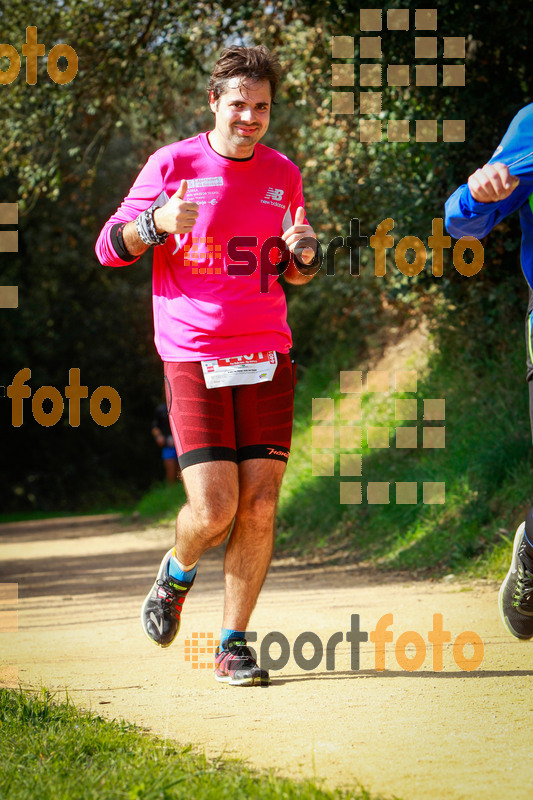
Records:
x=215, y=208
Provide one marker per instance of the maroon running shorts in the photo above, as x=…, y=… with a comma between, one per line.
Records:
x=230, y=423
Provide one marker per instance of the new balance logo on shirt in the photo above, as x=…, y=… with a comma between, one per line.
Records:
x=273, y=196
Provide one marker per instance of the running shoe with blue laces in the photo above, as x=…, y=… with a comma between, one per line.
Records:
x=238, y=667
x=161, y=611
x=516, y=592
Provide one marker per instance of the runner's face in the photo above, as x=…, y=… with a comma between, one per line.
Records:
x=242, y=114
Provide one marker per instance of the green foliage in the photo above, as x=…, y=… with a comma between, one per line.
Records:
x=53, y=751
x=161, y=502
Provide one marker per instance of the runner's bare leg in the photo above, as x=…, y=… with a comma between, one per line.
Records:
x=212, y=499
x=218, y=492
x=250, y=545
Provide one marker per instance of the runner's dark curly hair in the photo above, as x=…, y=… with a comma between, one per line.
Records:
x=248, y=64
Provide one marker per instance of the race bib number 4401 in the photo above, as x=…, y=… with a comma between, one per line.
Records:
x=240, y=370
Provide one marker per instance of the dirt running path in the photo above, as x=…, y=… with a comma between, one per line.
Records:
x=447, y=735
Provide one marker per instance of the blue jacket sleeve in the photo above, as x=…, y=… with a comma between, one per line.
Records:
x=465, y=216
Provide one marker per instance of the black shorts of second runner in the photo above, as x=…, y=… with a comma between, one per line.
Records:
x=229, y=423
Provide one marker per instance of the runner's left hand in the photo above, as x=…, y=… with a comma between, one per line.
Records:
x=492, y=183
x=293, y=236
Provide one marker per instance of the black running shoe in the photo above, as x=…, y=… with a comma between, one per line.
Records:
x=161, y=611
x=516, y=593
x=237, y=667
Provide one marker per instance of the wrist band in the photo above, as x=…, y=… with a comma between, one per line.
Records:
x=117, y=240
x=146, y=228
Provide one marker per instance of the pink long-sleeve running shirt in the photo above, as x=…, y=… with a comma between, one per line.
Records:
x=201, y=311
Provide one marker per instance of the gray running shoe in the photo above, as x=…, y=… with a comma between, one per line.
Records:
x=161, y=611
x=516, y=592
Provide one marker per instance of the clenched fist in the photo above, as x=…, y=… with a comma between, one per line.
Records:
x=177, y=215
x=491, y=183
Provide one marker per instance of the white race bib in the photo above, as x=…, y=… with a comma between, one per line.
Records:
x=240, y=370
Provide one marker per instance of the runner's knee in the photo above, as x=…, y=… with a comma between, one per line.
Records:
x=260, y=501
x=213, y=516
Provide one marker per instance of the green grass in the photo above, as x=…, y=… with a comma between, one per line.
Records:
x=162, y=502
x=53, y=751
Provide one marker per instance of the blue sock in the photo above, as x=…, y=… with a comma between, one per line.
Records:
x=229, y=633
x=175, y=571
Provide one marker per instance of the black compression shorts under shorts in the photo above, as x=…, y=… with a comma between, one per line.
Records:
x=229, y=423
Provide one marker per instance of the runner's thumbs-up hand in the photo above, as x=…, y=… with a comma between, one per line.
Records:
x=297, y=238
x=182, y=191
x=177, y=215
